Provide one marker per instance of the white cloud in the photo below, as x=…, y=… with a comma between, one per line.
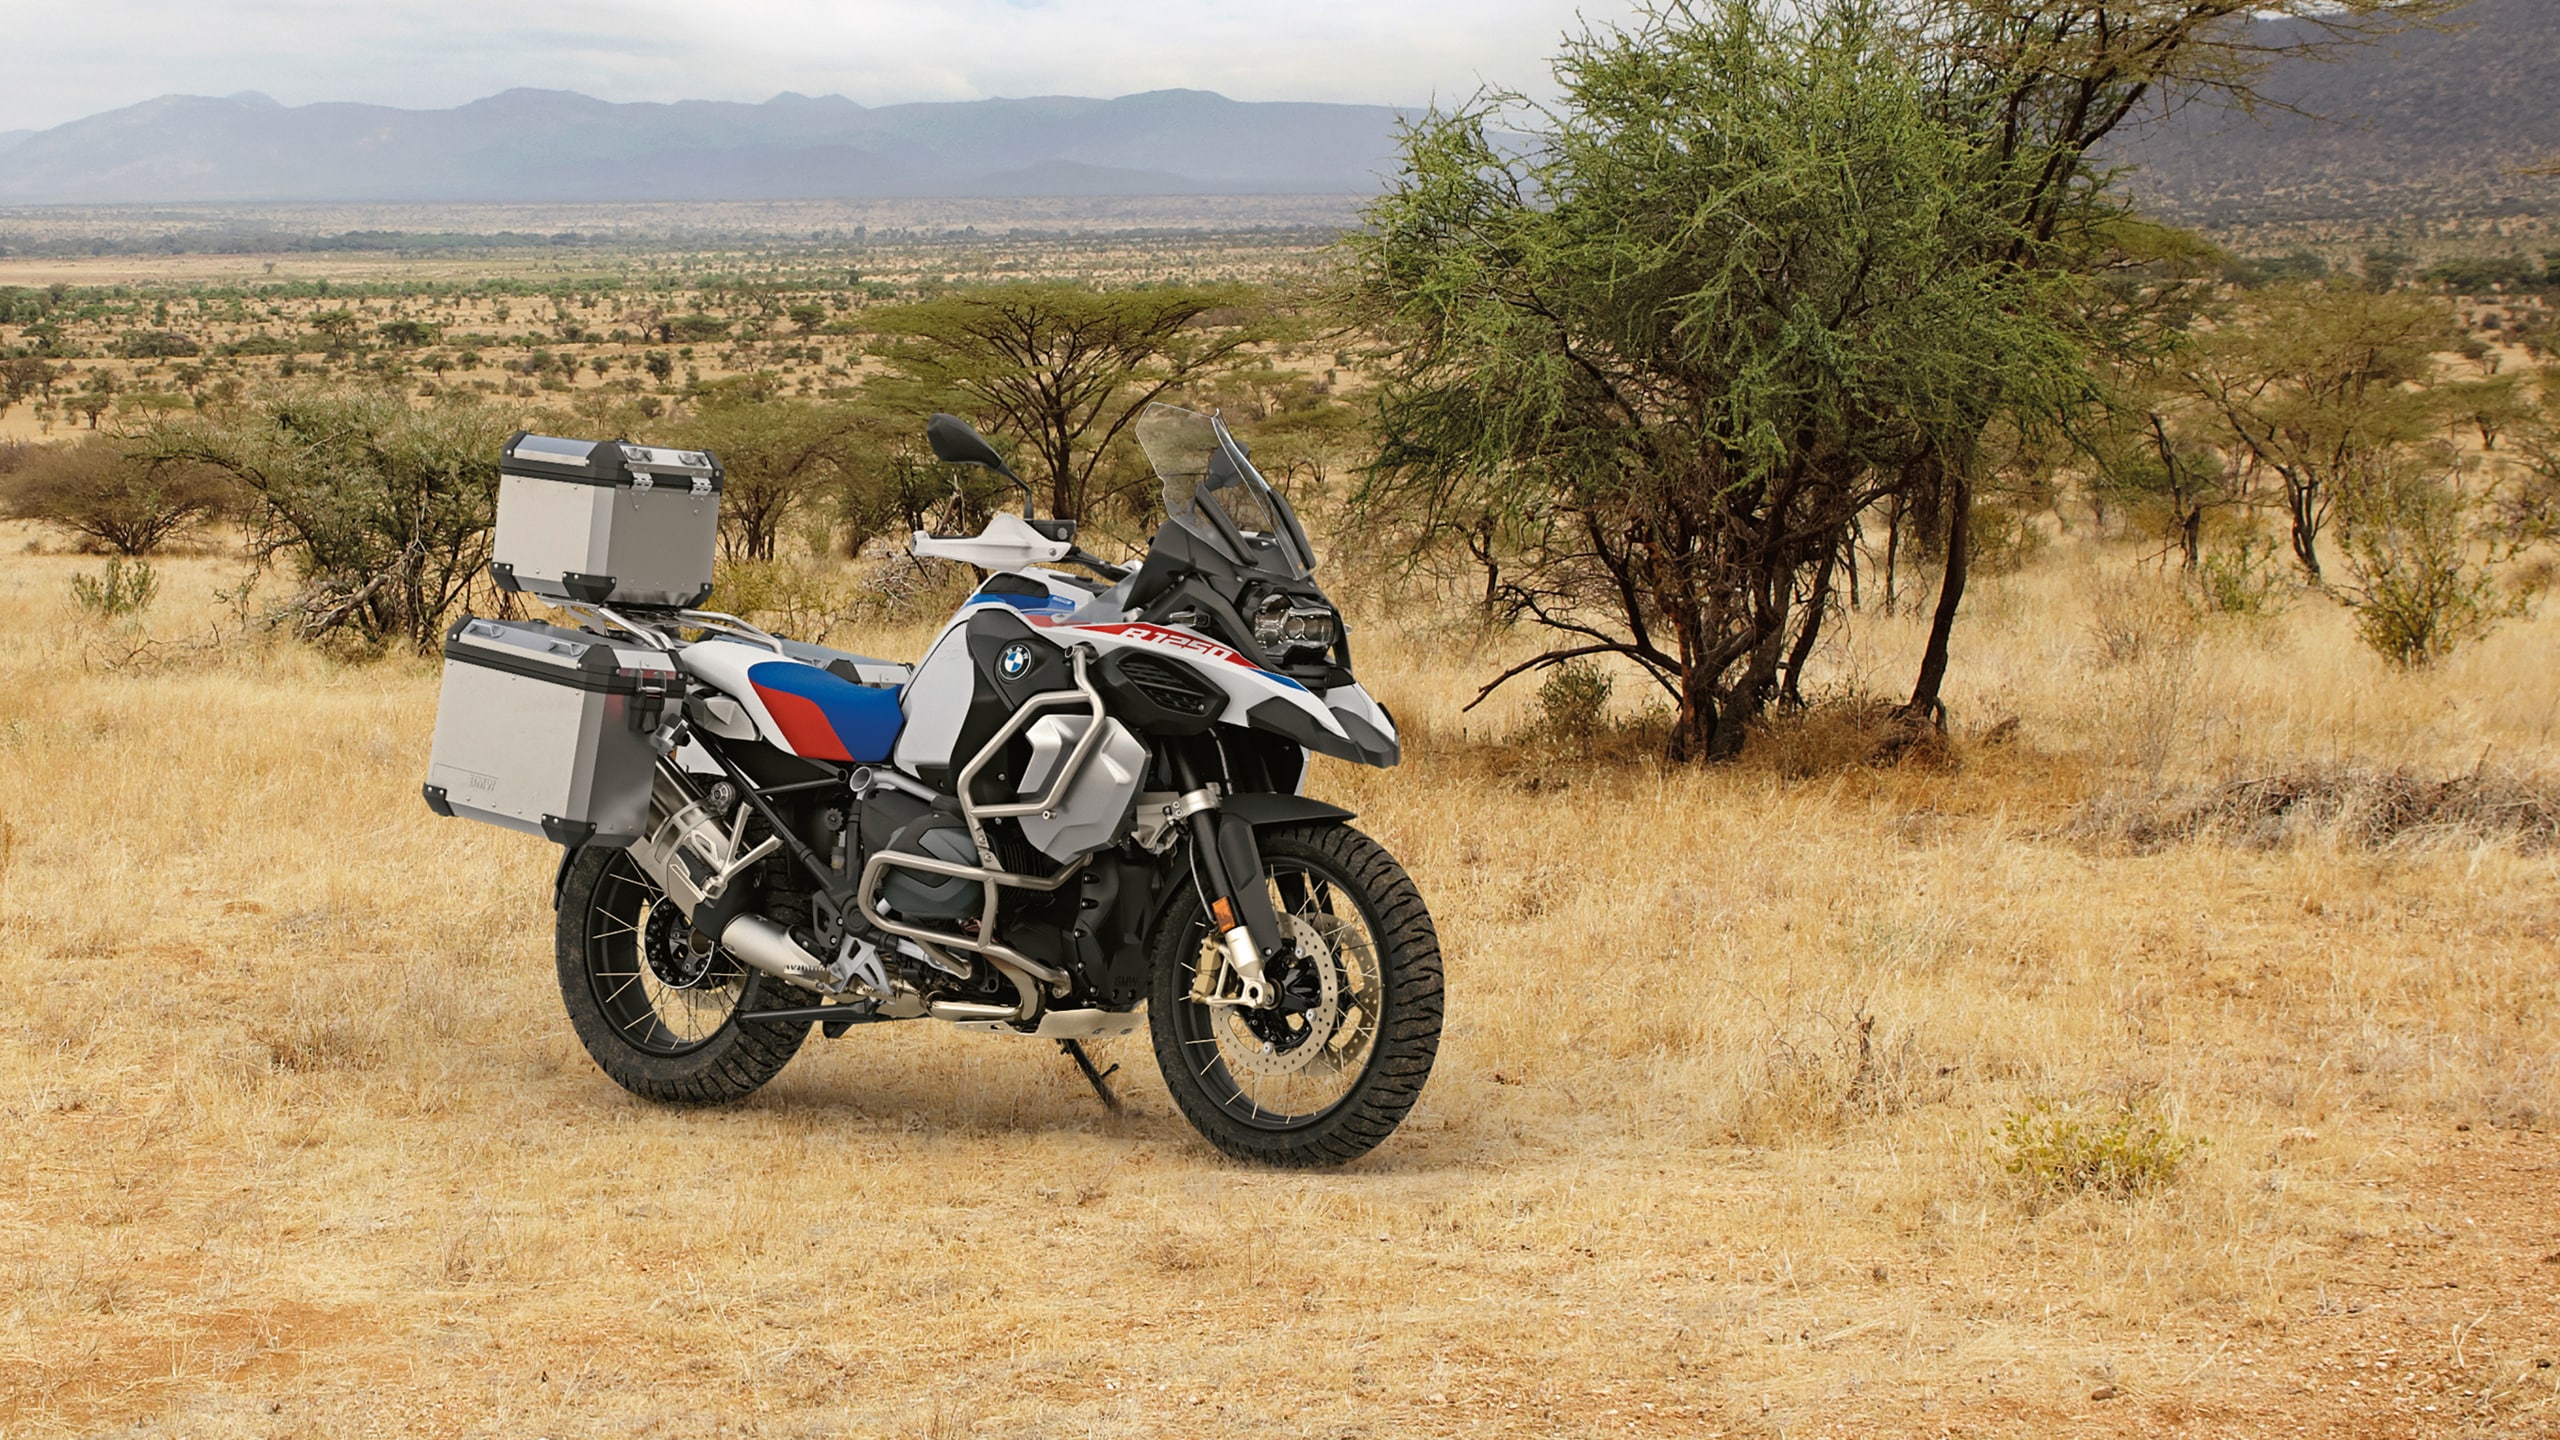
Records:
x=73, y=60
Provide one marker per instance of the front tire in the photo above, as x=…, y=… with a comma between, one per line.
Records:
x=661, y=1025
x=1329, y=1073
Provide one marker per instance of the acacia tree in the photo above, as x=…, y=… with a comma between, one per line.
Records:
x=1064, y=369
x=2324, y=388
x=382, y=511
x=96, y=488
x=1741, y=286
x=2001, y=103
x=777, y=457
x=2040, y=85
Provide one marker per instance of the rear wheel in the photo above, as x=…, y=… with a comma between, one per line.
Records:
x=662, y=1022
x=1328, y=1072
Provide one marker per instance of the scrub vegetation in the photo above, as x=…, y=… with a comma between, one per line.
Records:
x=1781, y=1094
x=2143, y=1025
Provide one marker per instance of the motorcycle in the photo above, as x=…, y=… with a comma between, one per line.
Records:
x=1081, y=811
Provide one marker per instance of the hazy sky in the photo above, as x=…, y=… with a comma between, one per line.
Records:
x=73, y=59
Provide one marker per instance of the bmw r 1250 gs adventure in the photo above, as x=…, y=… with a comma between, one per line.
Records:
x=1083, y=805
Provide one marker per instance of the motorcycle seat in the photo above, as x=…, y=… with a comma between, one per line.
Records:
x=827, y=717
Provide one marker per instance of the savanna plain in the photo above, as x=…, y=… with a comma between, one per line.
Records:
x=2172, y=1052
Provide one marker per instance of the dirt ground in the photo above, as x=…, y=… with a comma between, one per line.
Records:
x=294, y=1139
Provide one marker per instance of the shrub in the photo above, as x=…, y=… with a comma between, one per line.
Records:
x=156, y=345
x=381, y=510
x=120, y=591
x=2138, y=617
x=2057, y=1152
x=1573, y=703
x=2245, y=579
x=2426, y=563
x=406, y=334
x=102, y=491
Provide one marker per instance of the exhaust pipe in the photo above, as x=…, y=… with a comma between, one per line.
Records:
x=760, y=943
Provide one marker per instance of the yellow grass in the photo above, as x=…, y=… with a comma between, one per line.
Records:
x=297, y=1141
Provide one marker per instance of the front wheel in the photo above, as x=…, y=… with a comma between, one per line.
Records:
x=1326, y=1073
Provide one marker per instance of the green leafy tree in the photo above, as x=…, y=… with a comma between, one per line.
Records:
x=382, y=512
x=336, y=328
x=777, y=457
x=1740, y=285
x=1061, y=368
x=22, y=376
x=2003, y=100
x=2038, y=86
x=97, y=394
x=406, y=334
x=2324, y=387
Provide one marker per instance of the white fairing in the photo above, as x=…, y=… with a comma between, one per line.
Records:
x=1245, y=683
x=1356, y=701
x=937, y=700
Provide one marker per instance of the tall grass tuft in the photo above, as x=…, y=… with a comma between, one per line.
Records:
x=2056, y=1152
x=126, y=587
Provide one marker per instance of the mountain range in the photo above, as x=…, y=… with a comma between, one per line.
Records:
x=555, y=145
x=2431, y=122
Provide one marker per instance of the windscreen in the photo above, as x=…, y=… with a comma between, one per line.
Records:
x=1211, y=490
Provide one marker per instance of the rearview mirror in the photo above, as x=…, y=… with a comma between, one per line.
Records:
x=954, y=441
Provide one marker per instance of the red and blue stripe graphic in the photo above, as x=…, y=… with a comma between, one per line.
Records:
x=826, y=717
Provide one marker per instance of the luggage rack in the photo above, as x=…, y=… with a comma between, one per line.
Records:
x=657, y=639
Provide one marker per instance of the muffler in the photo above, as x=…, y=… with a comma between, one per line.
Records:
x=763, y=945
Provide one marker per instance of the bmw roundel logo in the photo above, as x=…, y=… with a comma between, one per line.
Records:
x=1015, y=660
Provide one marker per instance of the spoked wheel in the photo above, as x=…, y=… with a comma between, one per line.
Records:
x=660, y=1020
x=1326, y=1073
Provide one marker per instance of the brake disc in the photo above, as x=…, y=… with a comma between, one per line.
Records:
x=1290, y=1050
x=669, y=953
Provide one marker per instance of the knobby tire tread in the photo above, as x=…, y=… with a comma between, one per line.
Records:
x=735, y=1063
x=1408, y=1041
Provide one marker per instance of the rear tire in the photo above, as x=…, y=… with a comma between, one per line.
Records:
x=677, y=1046
x=1374, y=1022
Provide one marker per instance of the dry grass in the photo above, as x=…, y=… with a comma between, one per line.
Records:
x=297, y=1142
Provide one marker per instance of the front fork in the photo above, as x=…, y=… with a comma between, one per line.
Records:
x=1240, y=912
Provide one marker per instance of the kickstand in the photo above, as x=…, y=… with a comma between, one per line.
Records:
x=1100, y=1078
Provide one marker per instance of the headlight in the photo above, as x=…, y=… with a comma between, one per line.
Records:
x=1287, y=629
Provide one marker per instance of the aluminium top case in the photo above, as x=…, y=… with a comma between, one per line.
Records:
x=606, y=522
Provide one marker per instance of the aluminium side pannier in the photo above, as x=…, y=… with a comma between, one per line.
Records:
x=606, y=521
x=547, y=731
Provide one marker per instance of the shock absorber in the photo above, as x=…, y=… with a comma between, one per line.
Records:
x=1240, y=912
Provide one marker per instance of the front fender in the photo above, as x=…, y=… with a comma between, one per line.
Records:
x=1261, y=808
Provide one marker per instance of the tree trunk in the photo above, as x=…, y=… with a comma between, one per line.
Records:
x=1924, y=703
x=1892, y=551
x=1791, y=687
x=1693, y=729
x=2301, y=500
